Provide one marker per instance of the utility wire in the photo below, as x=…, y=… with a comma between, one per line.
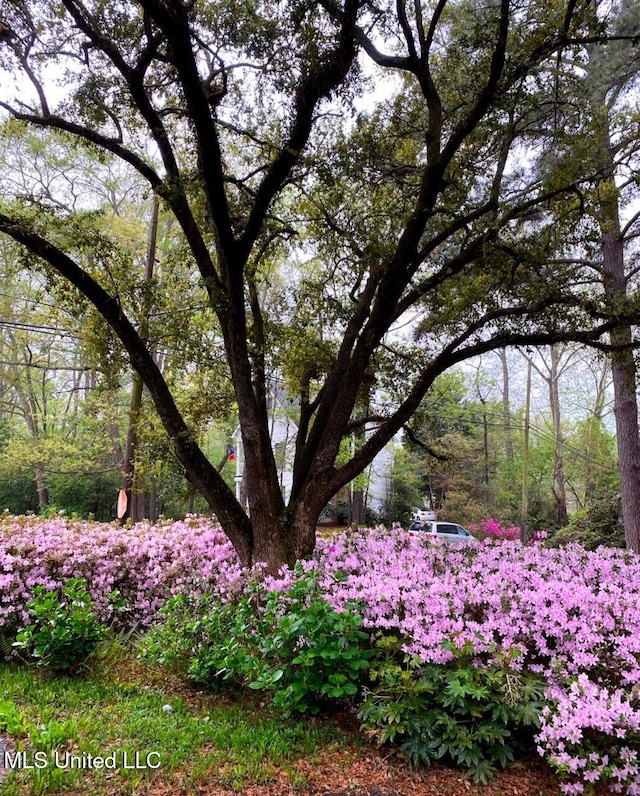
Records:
x=40, y=329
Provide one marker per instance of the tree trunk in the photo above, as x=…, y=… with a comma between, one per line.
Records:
x=357, y=507
x=135, y=500
x=625, y=404
x=559, y=491
x=506, y=405
x=153, y=497
x=594, y=422
x=41, y=486
x=623, y=367
x=525, y=460
x=29, y=411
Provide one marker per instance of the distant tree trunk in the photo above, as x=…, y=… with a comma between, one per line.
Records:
x=153, y=497
x=118, y=453
x=506, y=405
x=357, y=507
x=550, y=372
x=525, y=459
x=29, y=412
x=559, y=491
x=485, y=445
x=601, y=379
x=41, y=486
x=128, y=477
x=135, y=500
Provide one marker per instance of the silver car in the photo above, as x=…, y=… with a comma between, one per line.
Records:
x=450, y=531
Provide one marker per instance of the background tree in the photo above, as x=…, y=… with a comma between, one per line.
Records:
x=597, y=119
x=551, y=369
x=87, y=398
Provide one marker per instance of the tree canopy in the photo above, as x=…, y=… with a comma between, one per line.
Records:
x=363, y=192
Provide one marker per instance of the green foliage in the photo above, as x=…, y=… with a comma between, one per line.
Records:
x=295, y=645
x=12, y=720
x=476, y=717
x=17, y=491
x=406, y=488
x=592, y=527
x=82, y=495
x=64, y=630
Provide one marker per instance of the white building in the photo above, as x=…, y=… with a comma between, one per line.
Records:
x=283, y=431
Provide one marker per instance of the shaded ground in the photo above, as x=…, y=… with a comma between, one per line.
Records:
x=362, y=770
x=373, y=775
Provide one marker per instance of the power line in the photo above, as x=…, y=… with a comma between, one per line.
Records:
x=80, y=369
x=40, y=329
x=38, y=302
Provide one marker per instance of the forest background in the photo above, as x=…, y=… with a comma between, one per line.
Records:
x=66, y=413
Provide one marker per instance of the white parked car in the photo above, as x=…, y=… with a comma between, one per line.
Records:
x=422, y=515
x=442, y=530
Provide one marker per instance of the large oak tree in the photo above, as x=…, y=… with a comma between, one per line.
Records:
x=422, y=209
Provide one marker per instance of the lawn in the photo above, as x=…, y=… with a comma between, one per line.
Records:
x=206, y=744
x=136, y=715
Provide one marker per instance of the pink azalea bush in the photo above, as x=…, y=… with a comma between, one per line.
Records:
x=146, y=564
x=492, y=529
x=570, y=615
x=591, y=733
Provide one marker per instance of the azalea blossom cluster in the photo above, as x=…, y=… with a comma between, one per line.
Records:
x=144, y=564
x=492, y=529
x=570, y=615
x=586, y=711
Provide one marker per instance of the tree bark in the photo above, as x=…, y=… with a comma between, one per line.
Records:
x=134, y=495
x=559, y=489
x=623, y=367
x=623, y=371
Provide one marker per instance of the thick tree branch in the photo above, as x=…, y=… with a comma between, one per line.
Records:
x=200, y=471
x=172, y=190
x=315, y=86
x=415, y=440
x=450, y=357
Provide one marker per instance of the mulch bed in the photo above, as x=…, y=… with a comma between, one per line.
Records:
x=359, y=771
x=343, y=774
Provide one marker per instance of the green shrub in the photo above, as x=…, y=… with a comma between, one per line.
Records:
x=597, y=525
x=64, y=630
x=293, y=644
x=12, y=720
x=476, y=717
x=581, y=531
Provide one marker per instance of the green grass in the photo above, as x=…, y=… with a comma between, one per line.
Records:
x=119, y=706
